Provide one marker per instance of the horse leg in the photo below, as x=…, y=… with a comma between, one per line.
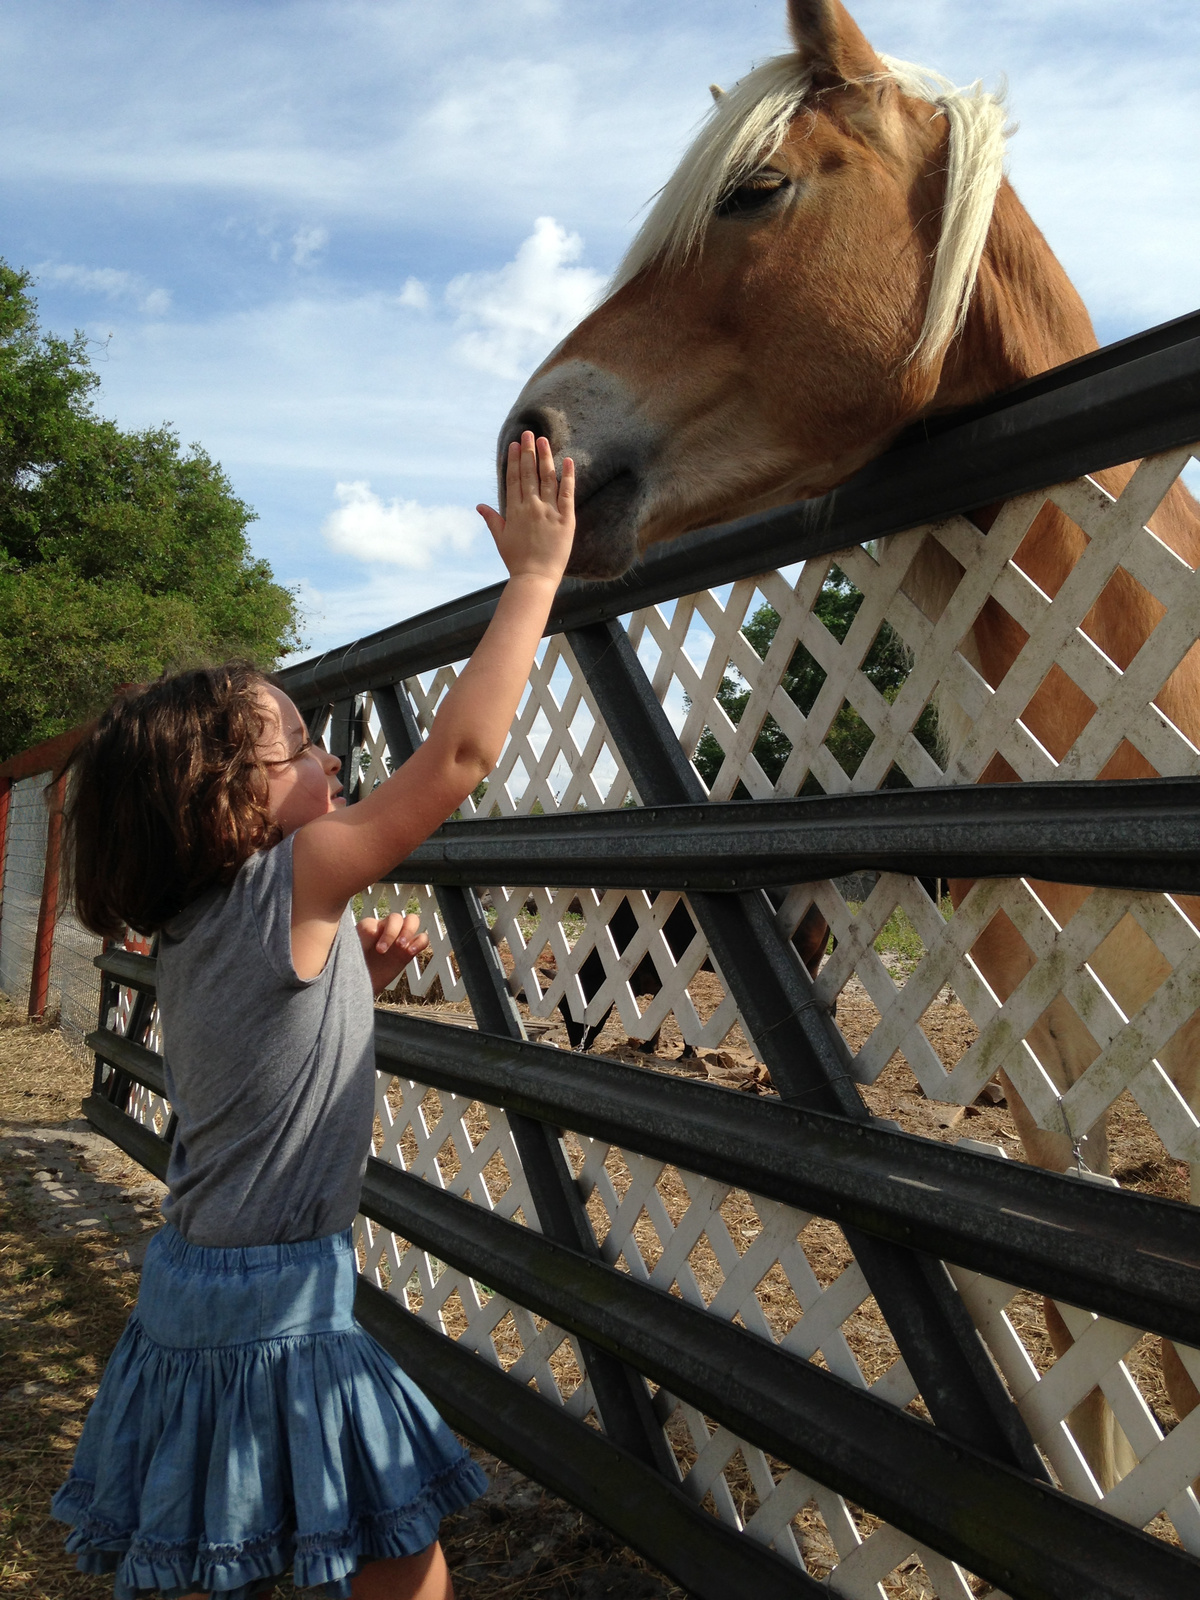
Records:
x=1181, y=1060
x=810, y=939
x=1131, y=967
x=1181, y=1388
x=1093, y=1427
x=1064, y=1049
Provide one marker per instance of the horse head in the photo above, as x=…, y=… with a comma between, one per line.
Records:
x=788, y=303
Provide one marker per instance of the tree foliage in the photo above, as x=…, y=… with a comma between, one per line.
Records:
x=886, y=665
x=121, y=555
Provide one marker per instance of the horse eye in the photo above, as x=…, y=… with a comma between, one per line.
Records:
x=755, y=194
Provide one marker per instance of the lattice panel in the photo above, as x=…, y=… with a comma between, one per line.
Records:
x=1110, y=989
x=529, y=935
x=558, y=756
x=467, y=1148
x=982, y=721
x=788, y=1277
x=1077, y=997
x=733, y=1255
x=664, y=1225
x=1158, y=1469
x=1124, y=1035
x=740, y=1256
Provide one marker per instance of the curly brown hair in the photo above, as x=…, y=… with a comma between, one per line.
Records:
x=167, y=797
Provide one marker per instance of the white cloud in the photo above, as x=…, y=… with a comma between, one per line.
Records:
x=428, y=138
x=114, y=283
x=510, y=319
x=307, y=244
x=400, y=533
x=414, y=295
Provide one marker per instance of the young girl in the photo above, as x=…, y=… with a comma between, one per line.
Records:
x=245, y=1423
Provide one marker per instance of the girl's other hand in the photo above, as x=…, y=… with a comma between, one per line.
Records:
x=534, y=539
x=389, y=944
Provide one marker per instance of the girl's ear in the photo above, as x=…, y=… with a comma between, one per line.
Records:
x=830, y=43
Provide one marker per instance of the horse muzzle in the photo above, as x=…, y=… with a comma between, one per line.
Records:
x=588, y=414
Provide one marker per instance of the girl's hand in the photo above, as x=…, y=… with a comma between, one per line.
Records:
x=534, y=540
x=337, y=855
x=389, y=945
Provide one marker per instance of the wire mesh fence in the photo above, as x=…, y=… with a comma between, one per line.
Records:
x=24, y=868
x=72, y=987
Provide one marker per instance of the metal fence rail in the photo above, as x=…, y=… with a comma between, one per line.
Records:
x=807, y=1336
x=1137, y=834
x=1141, y=1253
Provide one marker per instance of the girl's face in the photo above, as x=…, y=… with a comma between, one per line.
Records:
x=302, y=779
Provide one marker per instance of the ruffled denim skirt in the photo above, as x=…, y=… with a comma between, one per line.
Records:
x=246, y=1424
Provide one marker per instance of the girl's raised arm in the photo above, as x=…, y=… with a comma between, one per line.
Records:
x=339, y=854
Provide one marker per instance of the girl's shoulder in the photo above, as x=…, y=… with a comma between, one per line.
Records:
x=262, y=881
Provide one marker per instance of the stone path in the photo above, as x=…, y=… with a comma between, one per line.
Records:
x=75, y=1181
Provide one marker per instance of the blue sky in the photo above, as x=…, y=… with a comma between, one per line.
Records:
x=306, y=232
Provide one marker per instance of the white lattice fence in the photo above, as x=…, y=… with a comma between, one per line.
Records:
x=676, y=1230
x=560, y=756
x=1104, y=1004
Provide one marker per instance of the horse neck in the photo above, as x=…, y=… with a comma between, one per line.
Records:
x=1025, y=315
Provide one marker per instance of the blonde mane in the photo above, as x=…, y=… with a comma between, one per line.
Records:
x=747, y=126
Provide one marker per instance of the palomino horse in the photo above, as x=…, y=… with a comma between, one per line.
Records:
x=837, y=256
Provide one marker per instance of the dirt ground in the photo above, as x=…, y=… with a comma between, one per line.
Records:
x=75, y=1216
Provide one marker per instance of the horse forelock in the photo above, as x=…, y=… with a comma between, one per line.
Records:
x=745, y=127
x=749, y=123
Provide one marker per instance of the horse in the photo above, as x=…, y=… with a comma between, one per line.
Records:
x=838, y=256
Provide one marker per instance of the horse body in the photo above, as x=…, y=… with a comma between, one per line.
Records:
x=771, y=333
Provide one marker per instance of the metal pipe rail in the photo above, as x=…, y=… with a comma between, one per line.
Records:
x=1128, y=1256
x=1132, y=1257
x=142, y=1065
x=1132, y=834
x=1114, y=406
x=1037, y=1542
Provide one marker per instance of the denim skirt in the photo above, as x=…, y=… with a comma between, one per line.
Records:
x=246, y=1424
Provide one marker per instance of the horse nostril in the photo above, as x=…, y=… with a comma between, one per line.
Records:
x=542, y=424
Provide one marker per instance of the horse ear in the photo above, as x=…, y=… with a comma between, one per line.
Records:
x=831, y=43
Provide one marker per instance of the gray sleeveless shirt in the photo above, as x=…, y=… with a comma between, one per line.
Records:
x=271, y=1075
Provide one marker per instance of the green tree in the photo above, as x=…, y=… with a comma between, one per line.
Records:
x=886, y=665
x=121, y=555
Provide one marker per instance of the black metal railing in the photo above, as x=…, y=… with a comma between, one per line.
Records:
x=1122, y=1255
x=970, y=1483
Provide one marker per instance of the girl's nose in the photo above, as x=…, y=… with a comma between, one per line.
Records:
x=332, y=763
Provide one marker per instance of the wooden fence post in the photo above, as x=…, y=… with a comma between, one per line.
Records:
x=6, y=784
x=5, y=800
x=43, y=949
